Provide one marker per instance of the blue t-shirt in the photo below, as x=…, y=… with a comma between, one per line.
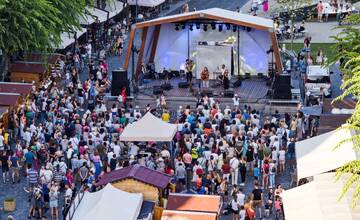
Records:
x=29, y=157
x=256, y=172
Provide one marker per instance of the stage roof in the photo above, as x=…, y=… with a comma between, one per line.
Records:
x=214, y=14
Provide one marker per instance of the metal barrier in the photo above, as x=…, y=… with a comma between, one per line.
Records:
x=75, y=203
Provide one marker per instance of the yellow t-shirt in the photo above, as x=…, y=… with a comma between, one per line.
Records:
x=165, y=117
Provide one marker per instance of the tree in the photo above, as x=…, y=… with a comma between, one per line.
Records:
x=347, y=49
x=293, y=8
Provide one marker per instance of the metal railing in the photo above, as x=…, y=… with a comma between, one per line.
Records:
x=75, y=203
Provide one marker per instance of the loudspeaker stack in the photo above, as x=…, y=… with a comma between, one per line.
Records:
x=119, y=81
x=282, y=87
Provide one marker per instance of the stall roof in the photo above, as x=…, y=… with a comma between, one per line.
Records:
x=25, y=67
x=319, y=199
x=215, y=14
x=330, y=122
x=46, y=58
x=68, y=38
x=328, y=106
x=189, y=202
x=12, y=87
x=318, y=155
x=149, y=128
x=114, y=8
x=9, y=99
x=137, y=172
x=146, y=3
x=102, y=15
x=181, y=215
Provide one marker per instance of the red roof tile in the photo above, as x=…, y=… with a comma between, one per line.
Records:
x=189, y=202
x=21, y=88
x=137, y=172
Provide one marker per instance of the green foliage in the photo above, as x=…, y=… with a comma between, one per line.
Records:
x=347, y=48
x=36, y=25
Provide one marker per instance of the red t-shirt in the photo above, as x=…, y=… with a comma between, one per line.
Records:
x=225, y=168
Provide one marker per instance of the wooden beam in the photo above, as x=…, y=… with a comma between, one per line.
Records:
x=128, y=52
x=154, y=43
x=237, y=22
x=141, y=53
x=275, y=45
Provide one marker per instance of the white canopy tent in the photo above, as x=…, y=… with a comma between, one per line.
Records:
x=109, y=203
x=319, y=199
x=149, y=128
x=318, y=154
x=93, y=14
x=114, y=8
x=68, y=38
x=146, y=3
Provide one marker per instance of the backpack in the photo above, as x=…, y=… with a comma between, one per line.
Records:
x=273, y=169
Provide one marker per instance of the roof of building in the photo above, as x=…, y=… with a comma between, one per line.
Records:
x=9, y=99
x=341, y=104
x=12, y=87
x=137, y=172
x=176, y=215
x=216, y=14
x=46, y=58
x=26, y=67
x=190, y=202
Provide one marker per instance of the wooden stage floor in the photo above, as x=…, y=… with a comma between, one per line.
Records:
x=250, y=89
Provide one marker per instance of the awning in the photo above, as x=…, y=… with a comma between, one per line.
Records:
x=149, y=128
x=146, y=3
x=14, y=87
x=68, y=38
x=318, y=155
x=114, y=8
x=102, y=15
x=319, y=199
x=9, y=99
x=109, y=203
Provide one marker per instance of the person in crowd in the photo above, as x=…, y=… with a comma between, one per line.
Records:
x=205, y=78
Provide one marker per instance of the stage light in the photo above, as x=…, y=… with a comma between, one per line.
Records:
x=197, y=25
x=205, y=27
x=177, y=27
x=248, y=29
x=213, y=25
x=220, y=27
x=228, y=26
x=234, y=28
x=191, y=27
x=183, y=26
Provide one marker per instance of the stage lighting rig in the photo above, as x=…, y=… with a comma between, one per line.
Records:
x=197, y=25
x=191, y=27
x=177, y=27
x=220, y=27
x=205, y=27
x=234, y=27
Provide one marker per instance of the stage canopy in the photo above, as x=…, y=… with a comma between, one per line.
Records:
x=146, y=3
x=319, y=199
x=210, y=37
x=318, y=155
x=109, y=203
x=149, y=128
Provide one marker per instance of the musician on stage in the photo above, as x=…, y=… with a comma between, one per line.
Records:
x=189, y=68
x=226, y=79
x=205, y=77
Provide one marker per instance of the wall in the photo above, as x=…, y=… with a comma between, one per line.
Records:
x=132, y=186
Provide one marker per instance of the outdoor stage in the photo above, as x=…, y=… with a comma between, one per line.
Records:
x=251, y=89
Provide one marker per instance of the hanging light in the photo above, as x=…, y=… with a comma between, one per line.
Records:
x=197, y=25
x=183, y=26
x=228, y=26
x=191, y=27
x=234, y=27
x=213, y=25
x=177, y=27
x=220, y=27
x=205, y=27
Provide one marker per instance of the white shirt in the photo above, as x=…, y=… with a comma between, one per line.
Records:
x=234, y=163
x=117, y=150
x=234, y=205
x=281, y=155
x=165, y=153
x=240, y=198
x=1, y=141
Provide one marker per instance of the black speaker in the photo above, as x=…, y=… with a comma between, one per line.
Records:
x=260, y=75
x=116, y=87
x=237, y=83
x=157, y=90
x=119, y=75
x=282, y=87
x=206, y=92
x=229, y=93
x=247, y=75
x=166, y=86
x=183, y=85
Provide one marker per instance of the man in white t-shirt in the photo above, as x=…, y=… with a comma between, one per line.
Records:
x=240, y=197
x=234, y=170
x=1, y=142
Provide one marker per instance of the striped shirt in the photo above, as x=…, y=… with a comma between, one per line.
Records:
x=33, y=176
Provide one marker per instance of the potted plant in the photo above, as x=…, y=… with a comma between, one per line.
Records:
x=9, y=204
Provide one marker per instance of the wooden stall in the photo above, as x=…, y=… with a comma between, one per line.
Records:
x=28, y=72
x=7, y=101
x=139, y=179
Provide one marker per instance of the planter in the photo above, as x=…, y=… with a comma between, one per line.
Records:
x=9, y=204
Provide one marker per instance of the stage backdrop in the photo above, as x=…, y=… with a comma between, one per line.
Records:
x=174, y=47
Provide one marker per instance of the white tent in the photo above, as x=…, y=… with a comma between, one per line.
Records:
x=93, y=14
x=319, y=199
x=146, y=3
x=318, y=154
x=109, y=203
x=149, y=128
x=68, y=38
x=114, y=8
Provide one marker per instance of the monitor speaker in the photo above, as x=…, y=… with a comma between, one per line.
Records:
x=282, y=87
x=119, y=81
x=229, y=93
x=157, y=90
x=206, y=92
x=119, y=75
